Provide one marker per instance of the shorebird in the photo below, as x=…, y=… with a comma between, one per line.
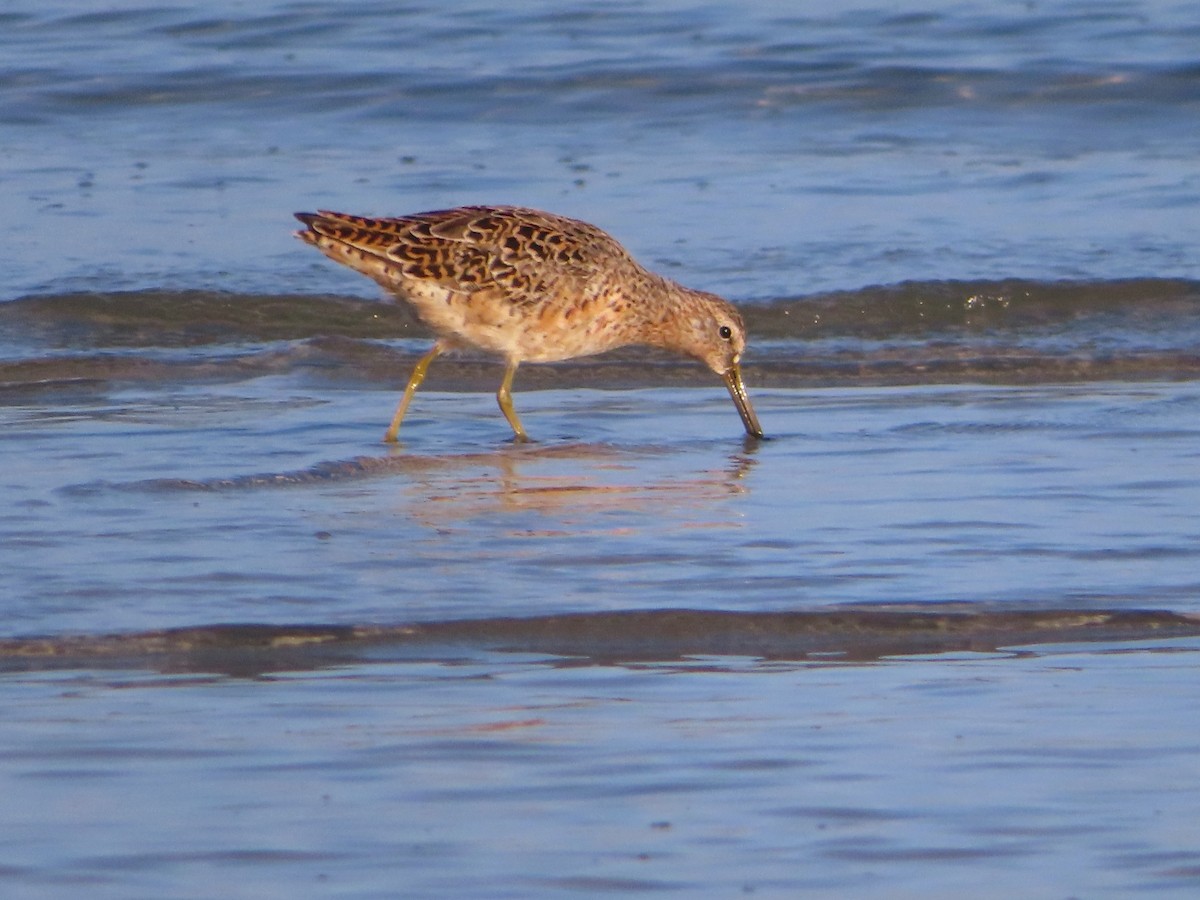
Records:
x=529, y=286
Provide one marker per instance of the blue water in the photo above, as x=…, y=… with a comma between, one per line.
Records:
x=762, y=148
x=174, y=460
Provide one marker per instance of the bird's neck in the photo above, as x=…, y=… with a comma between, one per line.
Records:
x=664, y=306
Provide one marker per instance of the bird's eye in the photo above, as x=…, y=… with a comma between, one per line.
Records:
x=725, y=332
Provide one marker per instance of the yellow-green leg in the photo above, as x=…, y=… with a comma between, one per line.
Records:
x=504, y=398
x=414, y=382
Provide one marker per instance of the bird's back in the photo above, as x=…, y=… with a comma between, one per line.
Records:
x=514, y=281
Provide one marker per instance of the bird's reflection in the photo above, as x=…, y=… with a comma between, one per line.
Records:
x=572, y=486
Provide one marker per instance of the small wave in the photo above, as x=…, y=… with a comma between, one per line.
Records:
x=360, y=467
x=331, y=471
x=167, y=318
x=321, y=473
x=917, y=332
x=840, y=635
x=929, y=308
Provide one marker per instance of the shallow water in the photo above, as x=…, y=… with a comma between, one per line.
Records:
x=497, y=777
x=763, y=149
x=933, y=638
x=512, y=757
x=273, y=501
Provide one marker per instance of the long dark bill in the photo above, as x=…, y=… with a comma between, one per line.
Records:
x=737, y=390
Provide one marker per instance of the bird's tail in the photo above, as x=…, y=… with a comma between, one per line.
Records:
x=354, y=241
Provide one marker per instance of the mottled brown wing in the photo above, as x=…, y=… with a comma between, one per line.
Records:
x=525, y=255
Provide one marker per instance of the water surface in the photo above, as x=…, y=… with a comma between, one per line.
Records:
x=933, y=638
